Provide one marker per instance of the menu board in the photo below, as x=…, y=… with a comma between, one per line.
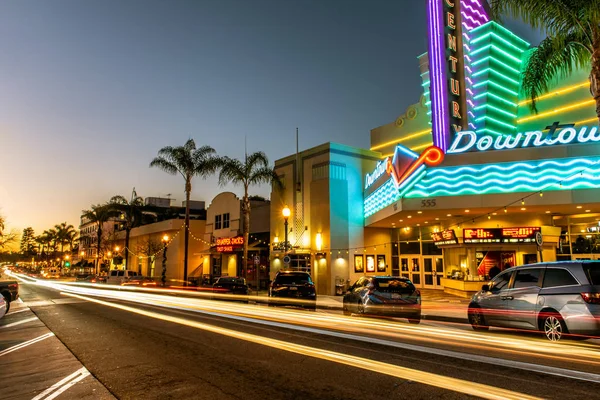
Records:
x=444, y=238
x=500, y=235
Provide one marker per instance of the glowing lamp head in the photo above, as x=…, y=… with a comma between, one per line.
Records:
x=117, y=248
x=82, y=253
x=286, y=212
x=165, y=238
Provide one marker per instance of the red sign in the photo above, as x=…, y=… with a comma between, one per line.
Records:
x=228, y=245
x=482, y=235
x=444, y=238
x=519, y=235
x=500, y=235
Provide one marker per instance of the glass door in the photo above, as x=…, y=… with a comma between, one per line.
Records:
x=438, y=272
x=428, y=273
x=404, y=268
x=415, y=275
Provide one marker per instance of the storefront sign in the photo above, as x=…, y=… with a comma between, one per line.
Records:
x=228, y=245
x=443, y=238
x=500, y=235
x=468, y=140
x=380, y=169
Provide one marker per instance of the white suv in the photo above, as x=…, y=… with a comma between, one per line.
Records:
x=119, y=276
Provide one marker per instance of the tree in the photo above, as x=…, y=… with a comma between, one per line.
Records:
x=28, y=242
x=149, y=248
x=254, y=170
x=573, y=28
x=188, y=161
x=99, y=214
x=6, y=238
x=131, y=215
x=65, y=234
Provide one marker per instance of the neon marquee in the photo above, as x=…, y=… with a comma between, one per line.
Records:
x=469, y=140
x=379, y=170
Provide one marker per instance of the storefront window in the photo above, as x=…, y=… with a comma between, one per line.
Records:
x=430, y=249
x=410, y=248
x=395, y=265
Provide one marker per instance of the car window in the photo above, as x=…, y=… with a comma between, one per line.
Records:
x=120, y=273
x=113, y=273
x=592, y=271
x=293, y=279
x=527, y=278
x=393, y=285
x=501, y=282
x=558, y=277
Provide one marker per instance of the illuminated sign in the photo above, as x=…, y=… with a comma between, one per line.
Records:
x=443, y=238
x=500, y=235
x=380, y=169
x=469, y=140
x=228, y=245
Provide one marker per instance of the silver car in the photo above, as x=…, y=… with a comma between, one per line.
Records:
x=557, y=298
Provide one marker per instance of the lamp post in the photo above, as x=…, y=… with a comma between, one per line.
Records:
x=286, y=214
x=165, y=240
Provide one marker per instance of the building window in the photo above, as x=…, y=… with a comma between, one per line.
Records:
x=218, y=221
x=225, y=220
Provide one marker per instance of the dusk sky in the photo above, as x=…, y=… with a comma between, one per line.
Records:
x=90, y=90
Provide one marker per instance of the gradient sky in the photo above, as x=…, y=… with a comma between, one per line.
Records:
x=90, y=90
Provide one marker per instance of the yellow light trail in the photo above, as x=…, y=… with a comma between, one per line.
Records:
x=558, y=110
x=558, y=92
x=427, y=378
x=402, y=139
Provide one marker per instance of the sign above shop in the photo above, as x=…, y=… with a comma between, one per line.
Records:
x=500, y=235
x=228, y=245
x=468, y=140
x=443, y=238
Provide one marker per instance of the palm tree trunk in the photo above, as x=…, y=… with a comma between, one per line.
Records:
x=246, y=232
x=127, y=232
x=595, y=77
x=188, y=190
x=99, y=233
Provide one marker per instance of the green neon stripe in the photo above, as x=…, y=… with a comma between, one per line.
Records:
x=479, y=39
x=474, y=63
x=493, y=132
x=496, y=85
x=495, y=109
x=494, y=47
x=498, y=73
x=425, y=83
x=510, y=103
x=492, y=25
x=495, y=121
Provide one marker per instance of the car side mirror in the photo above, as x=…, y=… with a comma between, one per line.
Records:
x=485, y=288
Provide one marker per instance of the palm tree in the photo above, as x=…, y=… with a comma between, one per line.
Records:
x=254, y=170
x=65, y=234
x=188, y=161
x=131, y=215
x=99, y=214
x=573, y=28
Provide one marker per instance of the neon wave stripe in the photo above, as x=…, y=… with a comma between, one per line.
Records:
x=585, y=162
x=472, y=10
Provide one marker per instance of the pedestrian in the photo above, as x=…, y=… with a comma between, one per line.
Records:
x=494, y=271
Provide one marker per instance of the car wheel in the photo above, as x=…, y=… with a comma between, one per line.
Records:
x=415, y=319
x=7, y=299
x=553, y=326
x=476, y=319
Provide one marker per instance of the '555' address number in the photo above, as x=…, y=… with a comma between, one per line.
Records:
x=429, y=203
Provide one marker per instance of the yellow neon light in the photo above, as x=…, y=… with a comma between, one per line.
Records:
x=402, y=139
x=558, y=92
x=585, y=121
x=558, y=110
x=420, y=147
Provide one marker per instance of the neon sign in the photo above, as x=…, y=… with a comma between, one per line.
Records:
x=228, y=245
x=469, y=140
x=379, y=170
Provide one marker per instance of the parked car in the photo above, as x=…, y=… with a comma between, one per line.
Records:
x=384, y=295
x=295, y=285
x=91, y=278
x=3, y=307
x=9, y=291
x=119, y=276
x=556, y=298
x=230, y=285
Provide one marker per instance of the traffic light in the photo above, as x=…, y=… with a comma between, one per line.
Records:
x=67, y=264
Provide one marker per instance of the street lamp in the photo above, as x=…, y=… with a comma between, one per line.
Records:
x=286, y=214
x=117, y=248
x=165, y=240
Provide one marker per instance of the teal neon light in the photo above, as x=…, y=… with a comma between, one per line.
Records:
x=494, y=47
x=510, y=103
x=501, y=75
x=492, y=25
x=500, y=87
x=493, y=132
x=474, y=63
x=385, y=195
x=501, y=111
x=425, y=83
x=499, y=38
x=485, y=117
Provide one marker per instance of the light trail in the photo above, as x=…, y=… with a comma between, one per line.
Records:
x=427, y=378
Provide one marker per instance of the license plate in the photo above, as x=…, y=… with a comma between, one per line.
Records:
x=396, y=296
x=293, y=288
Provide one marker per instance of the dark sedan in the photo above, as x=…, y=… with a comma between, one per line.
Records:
x=384, y=295
x=293, y=288
x=230, y=285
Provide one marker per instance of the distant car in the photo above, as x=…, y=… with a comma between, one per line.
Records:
x=384, y=295
x=3, y=307
x=556, y=298
x=91, y=278
x=230, y=285
x=139, y=280
x=120, y=276
x=296, y=285
x=9, y=291
x=51, y=273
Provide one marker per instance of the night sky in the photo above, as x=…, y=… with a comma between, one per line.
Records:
x=90, y=90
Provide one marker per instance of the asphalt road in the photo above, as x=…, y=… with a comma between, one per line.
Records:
x=152, y=352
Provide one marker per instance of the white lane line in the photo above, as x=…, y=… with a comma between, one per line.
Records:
x=566, y=373
x=19, y=300
x=18, y=311
x=25, y=344
x=24, y=321
x=62, y=385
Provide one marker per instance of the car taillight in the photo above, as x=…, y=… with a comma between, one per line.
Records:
x=13, y=285
x=591, y=298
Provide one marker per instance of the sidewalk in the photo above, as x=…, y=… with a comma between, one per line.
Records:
x=36, y=365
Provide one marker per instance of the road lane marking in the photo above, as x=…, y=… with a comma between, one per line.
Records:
x=25, y=344
x=24, y=321
x=427, y=378
x=18, y=311
x=63, y=385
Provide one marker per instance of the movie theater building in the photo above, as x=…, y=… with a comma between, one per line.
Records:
x=467, y=178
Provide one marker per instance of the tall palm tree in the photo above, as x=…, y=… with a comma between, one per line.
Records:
x=254, y=170
x=99, y=214
x=573, y=28
x=188, y=161
x=65, y=234
x=131, y=215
